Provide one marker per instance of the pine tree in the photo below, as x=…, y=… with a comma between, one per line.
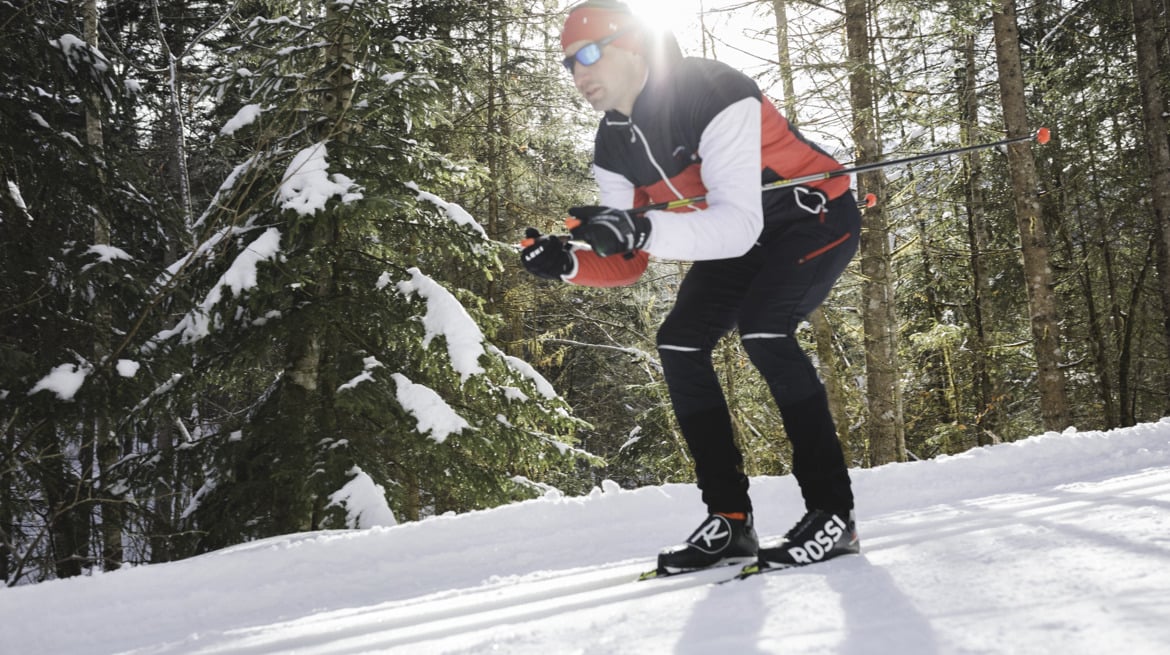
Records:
x=72, y=241
x=1154, y=94
x=1042, y=304
x=884, y=420
x=347, y=324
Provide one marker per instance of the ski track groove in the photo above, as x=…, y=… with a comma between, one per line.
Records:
x=995, y=511
x=414, y=622
x=629, y=589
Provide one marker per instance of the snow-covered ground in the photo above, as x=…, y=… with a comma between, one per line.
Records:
x=1056, y=544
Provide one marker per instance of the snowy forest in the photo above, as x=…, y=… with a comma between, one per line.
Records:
x=258, y=258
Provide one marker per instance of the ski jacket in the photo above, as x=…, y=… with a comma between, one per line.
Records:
x=700, y=127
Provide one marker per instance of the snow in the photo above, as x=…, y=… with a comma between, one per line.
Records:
x=17, y=198
x=244, y=117
x=364, y=501
x=76, y=50
x=1055, y=544
x=368, y=366
x=446, y=316
x=216, y=203
x=543, y=386
x=240, y=276
x=127, y=368
x=40, y=120
x=307, y=185
x=453, y=210
x=105, y=255
x=64, y=380
x=433, y=414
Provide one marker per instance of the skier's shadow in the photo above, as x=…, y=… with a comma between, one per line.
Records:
x=727, y=620
x=878, y=617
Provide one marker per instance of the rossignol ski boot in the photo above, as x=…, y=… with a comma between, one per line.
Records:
x=818, y=536
x=722, y=539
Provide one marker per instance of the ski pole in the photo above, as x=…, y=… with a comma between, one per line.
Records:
x=1041, y=135
x=532, y=234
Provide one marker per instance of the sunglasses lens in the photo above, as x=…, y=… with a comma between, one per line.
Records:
x=587, y=56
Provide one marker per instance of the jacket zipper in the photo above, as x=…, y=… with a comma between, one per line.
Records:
x=650, y=155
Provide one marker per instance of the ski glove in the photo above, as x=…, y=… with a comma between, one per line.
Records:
x=607, y=230
x=546, y=256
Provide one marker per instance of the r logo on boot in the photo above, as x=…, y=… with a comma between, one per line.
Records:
x=713, y=536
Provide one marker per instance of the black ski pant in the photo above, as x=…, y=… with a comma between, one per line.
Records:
x=766, y=293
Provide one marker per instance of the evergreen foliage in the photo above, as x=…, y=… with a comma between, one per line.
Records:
x=306, y=330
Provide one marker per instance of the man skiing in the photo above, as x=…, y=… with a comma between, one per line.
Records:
x=674, y=128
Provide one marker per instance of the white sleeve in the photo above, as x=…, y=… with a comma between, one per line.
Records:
x=615, y=189
x=730, y=225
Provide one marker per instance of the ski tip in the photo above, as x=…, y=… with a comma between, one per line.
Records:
x=648, y=575
x=1042, y=135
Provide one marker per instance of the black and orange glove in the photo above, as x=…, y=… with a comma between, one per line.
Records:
x=607, y=230
x=546, y=256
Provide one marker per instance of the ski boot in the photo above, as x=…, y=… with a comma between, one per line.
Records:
x=818, y=536
x=722, y=539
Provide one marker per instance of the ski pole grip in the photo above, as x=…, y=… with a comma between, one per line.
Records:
x=530, y=236
x=1042, y=135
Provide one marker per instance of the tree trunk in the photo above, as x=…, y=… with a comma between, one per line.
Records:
x=498, y=140
x=936, y=363
x=1045, y=324
x=838, y=406
x=67, y=520
x=1078, y=250
x=8, y=501
x=1127, y=391
x=987, y=401
x=1100, y=236
x=1157, y=150
x=106, y=443
x=883, y=395
x=175, y=126
x=303, y=411
x=780, y=10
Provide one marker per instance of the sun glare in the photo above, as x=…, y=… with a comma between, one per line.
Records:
x=674, y=15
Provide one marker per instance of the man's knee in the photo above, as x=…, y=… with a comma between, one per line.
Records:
x=678, y=334
x=679, y=340
x=772, y=349
x=786, y=368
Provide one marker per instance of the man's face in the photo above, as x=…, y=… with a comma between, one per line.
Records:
x=612, y=82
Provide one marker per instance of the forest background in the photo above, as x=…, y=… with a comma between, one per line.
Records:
x=257, y=258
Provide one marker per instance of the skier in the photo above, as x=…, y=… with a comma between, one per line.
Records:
x=677, y=127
